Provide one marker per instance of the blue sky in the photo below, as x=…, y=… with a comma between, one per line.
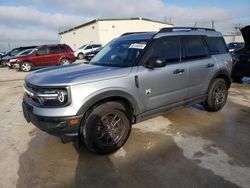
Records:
x=25, y=22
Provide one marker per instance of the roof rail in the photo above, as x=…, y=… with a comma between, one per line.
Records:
x=171, y=29
x=131, y=33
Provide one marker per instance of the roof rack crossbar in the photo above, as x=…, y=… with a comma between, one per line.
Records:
x=171, y=29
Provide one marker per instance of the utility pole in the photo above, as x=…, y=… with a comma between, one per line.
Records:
x=212, y=24
x=9, y=45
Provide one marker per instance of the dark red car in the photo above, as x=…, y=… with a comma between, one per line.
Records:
x=46, y=55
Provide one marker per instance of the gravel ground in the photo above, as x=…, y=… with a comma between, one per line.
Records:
x=186, y=148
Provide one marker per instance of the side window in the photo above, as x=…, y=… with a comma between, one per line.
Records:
x=54, y=49
x=195, y=47
x=96, y=46
x=64, y=49
x=167, y=48
x=89, y=47
x=42, y=51
x=216, y=45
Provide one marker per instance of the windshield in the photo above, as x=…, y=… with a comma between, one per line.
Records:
x=120, y=53
x=83, y=46
x=32, y=51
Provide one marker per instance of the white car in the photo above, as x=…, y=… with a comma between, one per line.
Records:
x=80, y=53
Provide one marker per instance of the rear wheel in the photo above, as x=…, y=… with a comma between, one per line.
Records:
x=106, y=128
x=25, y=67
x=65, y=61
x=217, y=95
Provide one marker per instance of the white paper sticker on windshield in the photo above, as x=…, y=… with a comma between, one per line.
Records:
x=137, y=46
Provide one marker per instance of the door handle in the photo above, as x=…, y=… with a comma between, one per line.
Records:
x=178, y=71
x=209, y=65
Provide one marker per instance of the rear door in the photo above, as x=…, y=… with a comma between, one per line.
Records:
x=201, y=65
x=55, y=54
x=167, y=85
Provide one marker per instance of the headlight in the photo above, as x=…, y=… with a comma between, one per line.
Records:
x=49, y=97
x=12, y=60
x=54, y=97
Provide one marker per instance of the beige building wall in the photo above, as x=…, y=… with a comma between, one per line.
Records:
x=113, y=29
x=233, y=38
x=103, y=31
x=83, y=35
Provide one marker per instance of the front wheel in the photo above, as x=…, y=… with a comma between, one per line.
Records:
x=217, y=95
x=106, y=128
x=25, y=67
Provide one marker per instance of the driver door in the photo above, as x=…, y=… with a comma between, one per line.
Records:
x=163, y=86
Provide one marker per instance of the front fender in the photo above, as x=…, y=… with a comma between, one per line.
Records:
x=100, y=96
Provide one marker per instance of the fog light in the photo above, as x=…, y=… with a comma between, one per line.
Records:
x=74, y=121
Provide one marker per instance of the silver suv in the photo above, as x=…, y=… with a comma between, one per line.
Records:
x=133, y=78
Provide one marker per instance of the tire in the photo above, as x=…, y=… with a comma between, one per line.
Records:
x=65, y=61
x=217, y=95
x=98, y=133
x=80, y=56
x=25, y=67
x=237, y=79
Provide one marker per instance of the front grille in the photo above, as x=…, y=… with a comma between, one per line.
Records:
x=32, y=89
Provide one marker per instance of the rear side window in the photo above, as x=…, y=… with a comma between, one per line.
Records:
x=195, y=47
x=63, y=48
x=167, y=48
x=216, y=45
x=54, y=49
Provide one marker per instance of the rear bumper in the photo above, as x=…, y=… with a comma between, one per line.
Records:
x=57, y=126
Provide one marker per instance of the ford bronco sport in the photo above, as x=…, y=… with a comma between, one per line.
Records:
x=131, y=79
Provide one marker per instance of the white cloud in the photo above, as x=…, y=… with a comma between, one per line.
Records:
x=23, y=17
x=43, y=19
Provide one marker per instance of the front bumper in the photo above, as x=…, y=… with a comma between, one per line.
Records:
x=57, y=126
x=16, y=65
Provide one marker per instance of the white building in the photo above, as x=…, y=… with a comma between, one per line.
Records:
x=233, y=38
x=102, y=31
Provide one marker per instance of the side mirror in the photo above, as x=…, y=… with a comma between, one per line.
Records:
x=155, y=62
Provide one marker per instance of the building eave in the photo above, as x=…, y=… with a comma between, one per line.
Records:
x=111, y=19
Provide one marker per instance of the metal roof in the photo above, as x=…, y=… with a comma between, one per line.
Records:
x=110, y=19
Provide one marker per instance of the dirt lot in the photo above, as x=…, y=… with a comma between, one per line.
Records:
x=185, y=148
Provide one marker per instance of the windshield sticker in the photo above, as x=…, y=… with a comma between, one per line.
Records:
x=137, y=46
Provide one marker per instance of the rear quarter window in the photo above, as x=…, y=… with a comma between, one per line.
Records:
x=216, y=45
x=195, y=47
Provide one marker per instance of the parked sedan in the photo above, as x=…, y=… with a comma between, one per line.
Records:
x=90, y=55
x=232, y=46
x=46, y=55
x=81, y=52
x=12, y=53
x=241, y=58
x=11, y=60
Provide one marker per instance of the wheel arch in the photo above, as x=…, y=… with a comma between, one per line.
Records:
x=63, y=57
x=28, y=61
x=126, y=99
x=224, y=75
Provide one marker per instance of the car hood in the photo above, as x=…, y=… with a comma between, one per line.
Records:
x=246, y=35
x=75, y=74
